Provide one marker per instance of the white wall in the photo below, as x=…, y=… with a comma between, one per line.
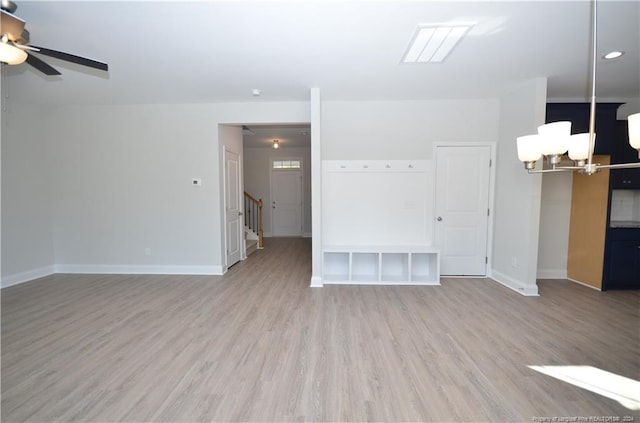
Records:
x=229, y=139
x=27, y=241
x=316, y=187
x=120, y=176
x=555, y=214
x=517, y=196
x=257, y=173
x=120, y=180
x=400, y=130
x=2, y=111
x=122, y=184
x=377, y=202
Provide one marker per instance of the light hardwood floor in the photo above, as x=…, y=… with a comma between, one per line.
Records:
x=259, y=345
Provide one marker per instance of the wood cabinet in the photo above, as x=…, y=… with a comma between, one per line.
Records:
x=624, y=265
x=622, y=152
x=588, y=226
x=602, y=253
x=578, y=115
x=622, y=248
x=622, y=257
x=625, y=179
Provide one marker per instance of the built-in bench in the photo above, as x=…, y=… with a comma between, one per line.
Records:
x=381, y=265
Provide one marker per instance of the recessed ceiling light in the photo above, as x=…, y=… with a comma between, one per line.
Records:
x=432, y=43
x=255, y=92
x=613, y=55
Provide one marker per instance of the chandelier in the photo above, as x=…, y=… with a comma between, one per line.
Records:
x=553, y=140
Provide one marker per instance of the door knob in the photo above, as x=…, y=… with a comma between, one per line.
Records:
x=439, y=219
x=240, y=213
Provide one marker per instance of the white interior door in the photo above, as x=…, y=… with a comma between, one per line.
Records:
x=233, y=206
x=462, y=208
x=286, y=202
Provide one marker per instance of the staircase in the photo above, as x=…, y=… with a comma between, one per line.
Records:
x=250, y=241
x=253, y=232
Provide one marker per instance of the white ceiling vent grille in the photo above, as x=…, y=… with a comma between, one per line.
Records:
x=432, y=43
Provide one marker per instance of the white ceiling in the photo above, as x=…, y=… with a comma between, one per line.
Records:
x=218, y=51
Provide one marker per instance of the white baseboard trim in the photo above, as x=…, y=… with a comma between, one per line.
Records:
x=384, y=283
x=138, y=269
x=464, y=277
x=584, y=284
x=27, y=276
x=270, y=235
x=552, y=274
x=316, y=282
x=515, y=285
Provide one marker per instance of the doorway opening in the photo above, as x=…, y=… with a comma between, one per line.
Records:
x=275, y=184
x=280, y=177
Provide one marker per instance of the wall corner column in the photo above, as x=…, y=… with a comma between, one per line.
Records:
x=316, y=189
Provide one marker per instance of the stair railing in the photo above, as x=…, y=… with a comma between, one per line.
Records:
x=253, y=216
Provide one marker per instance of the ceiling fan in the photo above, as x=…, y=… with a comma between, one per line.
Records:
x=15, y=47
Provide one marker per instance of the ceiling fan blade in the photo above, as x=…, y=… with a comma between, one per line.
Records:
x=11, y=25
x=73, y=58
x=24, y=47
x=42, y=66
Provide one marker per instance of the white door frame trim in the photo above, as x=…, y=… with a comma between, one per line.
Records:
x=492, y=185
x=225, y=255
x=254, y=116
x=301, y=172
x=225, y=242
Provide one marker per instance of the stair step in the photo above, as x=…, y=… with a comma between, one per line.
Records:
x=249, y=234
x=251, y=246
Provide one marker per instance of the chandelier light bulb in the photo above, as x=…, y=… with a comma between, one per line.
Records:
x=11, y=55
x=579, y=147
x=529, y=150
x=555, y=138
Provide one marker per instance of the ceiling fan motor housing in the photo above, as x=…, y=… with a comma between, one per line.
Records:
x=8, y=6
x=16, y=36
